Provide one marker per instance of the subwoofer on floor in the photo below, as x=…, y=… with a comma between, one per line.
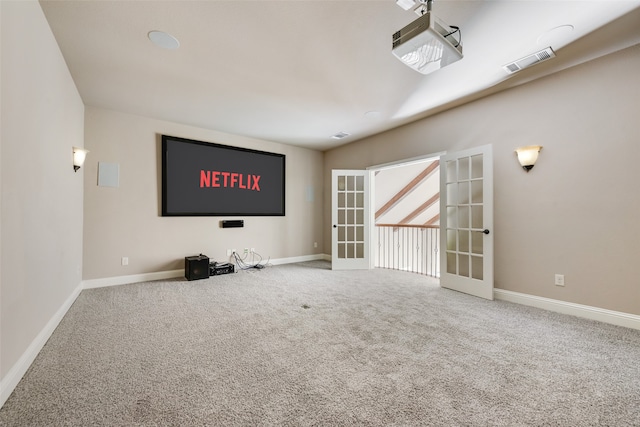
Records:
x=196, y=267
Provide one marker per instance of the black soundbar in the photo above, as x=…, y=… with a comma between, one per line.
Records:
x=232, y=223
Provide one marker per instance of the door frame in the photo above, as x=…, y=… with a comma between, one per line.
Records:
x=399, y=163
x=382, y=166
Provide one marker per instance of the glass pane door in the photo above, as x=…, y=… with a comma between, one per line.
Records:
x=350, y=245
x=467, y=221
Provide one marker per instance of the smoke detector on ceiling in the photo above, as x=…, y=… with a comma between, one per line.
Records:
x=528, y=61
x=427, y=44
x=163, y=39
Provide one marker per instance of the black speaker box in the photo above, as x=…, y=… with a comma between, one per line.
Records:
x=196, y=267
x=232, y=223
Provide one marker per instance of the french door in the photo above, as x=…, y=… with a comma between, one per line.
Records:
x=351, y=222
x=466, y=221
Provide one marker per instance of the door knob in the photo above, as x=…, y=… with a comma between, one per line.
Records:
x=485, y=231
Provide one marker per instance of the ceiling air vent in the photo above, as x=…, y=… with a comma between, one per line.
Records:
x=340, y=135
x=530, y=60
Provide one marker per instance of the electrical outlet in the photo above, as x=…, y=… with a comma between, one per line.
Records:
x=559, y=279
x=315, y=244
x=246, y=251
x=125, y=260
x=229, y=252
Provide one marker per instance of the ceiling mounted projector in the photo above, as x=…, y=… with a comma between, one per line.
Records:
x=427, y=44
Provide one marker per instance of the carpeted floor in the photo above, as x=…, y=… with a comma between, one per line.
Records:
x=301, y=345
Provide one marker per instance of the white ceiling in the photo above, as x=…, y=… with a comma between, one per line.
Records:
x=300, y=71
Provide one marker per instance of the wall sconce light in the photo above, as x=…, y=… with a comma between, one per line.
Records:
x=79, y=154
x=528, y=155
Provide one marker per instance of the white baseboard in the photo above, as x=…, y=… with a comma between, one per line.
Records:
x=133, y=278
x=17, y=371
x=303, y=258
x=594, y=313
x=171, y=274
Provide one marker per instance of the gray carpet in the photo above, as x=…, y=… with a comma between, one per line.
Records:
x=301, y=345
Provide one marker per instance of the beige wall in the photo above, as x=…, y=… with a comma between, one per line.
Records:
x=126, y=222
x=41, y=221
x=576, y=213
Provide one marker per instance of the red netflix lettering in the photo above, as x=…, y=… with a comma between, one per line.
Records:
x=256, y=179
x=229, y=180
x=205, y=179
